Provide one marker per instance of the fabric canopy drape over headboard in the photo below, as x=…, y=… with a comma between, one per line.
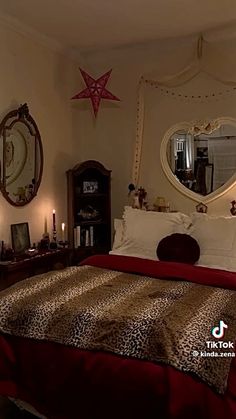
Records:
x=211, y=57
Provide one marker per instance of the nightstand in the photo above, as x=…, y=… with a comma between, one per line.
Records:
x=25, y=266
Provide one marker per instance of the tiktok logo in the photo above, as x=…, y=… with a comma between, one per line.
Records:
x=219, y=331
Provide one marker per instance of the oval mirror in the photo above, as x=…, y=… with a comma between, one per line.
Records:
x=21, y=157
x=199, y=158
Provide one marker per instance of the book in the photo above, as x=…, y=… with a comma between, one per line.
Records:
x=87, y=237
x=78, y=238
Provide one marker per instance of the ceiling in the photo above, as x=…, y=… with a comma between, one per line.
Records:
x=87, y=25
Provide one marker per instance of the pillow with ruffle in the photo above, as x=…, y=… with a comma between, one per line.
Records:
x=216, y=236
x=178, y=247
x=143, y=230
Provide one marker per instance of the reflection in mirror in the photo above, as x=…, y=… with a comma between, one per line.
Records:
x=203, y=160
x=21, y=157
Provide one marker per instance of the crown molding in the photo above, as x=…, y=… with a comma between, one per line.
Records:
x=14, y=24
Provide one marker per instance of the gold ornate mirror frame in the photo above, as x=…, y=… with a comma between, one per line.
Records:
x=21, y=157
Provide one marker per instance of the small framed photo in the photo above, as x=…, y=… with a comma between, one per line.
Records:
x=201, y=208
x=90, y=186
x=20, y=237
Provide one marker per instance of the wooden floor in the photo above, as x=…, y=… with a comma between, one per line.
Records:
x=9, y=411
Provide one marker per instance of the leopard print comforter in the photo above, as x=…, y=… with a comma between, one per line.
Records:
x=130, y=315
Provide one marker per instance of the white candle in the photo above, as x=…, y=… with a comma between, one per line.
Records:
x=63, y=231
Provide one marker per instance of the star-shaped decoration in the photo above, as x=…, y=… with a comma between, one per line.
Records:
x=95, y=90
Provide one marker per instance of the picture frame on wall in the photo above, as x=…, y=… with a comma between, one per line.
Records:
x=20, y=237
x=90, y=186
x=201, y=208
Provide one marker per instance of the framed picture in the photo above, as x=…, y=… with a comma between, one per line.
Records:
x=20, y=237
x=201, y=208
x=90, y=186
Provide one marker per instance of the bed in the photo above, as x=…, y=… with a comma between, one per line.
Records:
x=120, y=335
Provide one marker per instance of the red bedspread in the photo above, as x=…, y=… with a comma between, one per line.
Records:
x=64, y=382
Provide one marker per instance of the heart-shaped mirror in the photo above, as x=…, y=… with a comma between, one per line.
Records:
x=199, y=158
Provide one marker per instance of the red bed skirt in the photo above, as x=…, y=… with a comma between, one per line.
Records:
x=68, y=383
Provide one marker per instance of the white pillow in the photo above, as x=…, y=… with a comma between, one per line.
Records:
x=216, y=237
x=143, y=230
x=119, y=233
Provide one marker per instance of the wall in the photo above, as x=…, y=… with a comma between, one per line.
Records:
x=110, y=138
x=46, y=80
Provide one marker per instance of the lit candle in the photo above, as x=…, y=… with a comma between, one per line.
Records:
x=54, y=219
x=63, y=231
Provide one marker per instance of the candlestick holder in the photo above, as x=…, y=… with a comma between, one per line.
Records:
x=63, y=244
x=53, y=245
x=44, y=242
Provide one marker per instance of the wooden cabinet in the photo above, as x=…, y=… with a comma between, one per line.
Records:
x=26, y=266
x=89, y=209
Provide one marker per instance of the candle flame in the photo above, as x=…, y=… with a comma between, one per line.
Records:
x=54, y=211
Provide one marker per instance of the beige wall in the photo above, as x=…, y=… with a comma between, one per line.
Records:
x=111, y=137
x=46, y=80
x=32, y=73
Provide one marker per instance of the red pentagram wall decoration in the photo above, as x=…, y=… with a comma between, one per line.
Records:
x=95, y=90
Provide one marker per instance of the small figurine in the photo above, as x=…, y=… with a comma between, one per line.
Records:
x=44, y=243
x=137, y=197
x=29, y=190
x=131, y=194
x=135, y=202
x=20, y=194
x=233, y=209
x=131, y=188
x=141, y=196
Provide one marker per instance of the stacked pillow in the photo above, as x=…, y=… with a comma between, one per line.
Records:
x=143, y=230
x=142, y=233
x=216, y=237
x=119, y=233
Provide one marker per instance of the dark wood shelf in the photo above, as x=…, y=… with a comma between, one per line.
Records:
x=90, y=195
x=82, y=252
x=96, y=231
x=91, y=222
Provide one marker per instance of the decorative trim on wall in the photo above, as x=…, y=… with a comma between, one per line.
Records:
x=139, y=133
x=202, y=98
x=23, y=29
x=185, y=75
x=14, y=24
